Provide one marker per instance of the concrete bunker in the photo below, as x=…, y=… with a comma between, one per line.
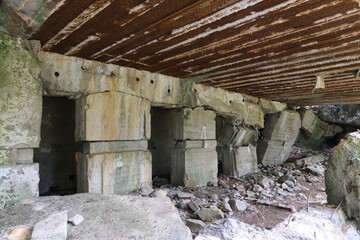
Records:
x=56, y=153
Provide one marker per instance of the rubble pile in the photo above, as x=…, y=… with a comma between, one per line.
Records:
x=283, y=189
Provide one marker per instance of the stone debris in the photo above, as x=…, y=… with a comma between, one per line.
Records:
x=237, y=205
x=76, y=220
x=210, y=214
x=17, y=233
x=53, y=227
x=195, y=225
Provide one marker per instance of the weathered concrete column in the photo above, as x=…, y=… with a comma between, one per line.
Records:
x=20, y=118
x=115, y=128
x=194, y=161
x=279, y=134
x=236, y=146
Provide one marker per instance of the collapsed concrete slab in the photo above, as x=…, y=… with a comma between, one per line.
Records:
x=239, y=161
x=342, y=176
x=236, y=146
x=279, y=134
x=117, y=173
x=314, y=131
x=105, y=216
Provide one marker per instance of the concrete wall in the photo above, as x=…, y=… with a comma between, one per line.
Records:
x=20, y=114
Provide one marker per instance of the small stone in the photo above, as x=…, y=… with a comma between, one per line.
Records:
x=195, y=225
x=250, y=194
x=315, y=170
x=257, y=188
x=210, y=214
x=223, y=184
x=312, y=179
x=266, y=183
x=182, y=204
x=193, y=206
x=53, y=227
x=289, y=183
x=145, y=191
x=213, y=196
x=76, y=220
x=289, y=166
x=159, y=193
x=184, y=195
x=283, y=178
x=225, y=207
x=18, y=233
x=238, y=205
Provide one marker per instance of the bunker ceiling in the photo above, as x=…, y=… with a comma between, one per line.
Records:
x=278, y=49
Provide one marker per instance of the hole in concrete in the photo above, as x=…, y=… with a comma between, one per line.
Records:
x=56, y=154
x=137, y=79
x=169, y=91
x=57, y=74
x=161, y=144
x=151, y=81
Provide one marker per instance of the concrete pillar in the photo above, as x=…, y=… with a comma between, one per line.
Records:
x=20, y=115
x=194, y=161
x=114, y=129
x=236, y=146
x=279, y=134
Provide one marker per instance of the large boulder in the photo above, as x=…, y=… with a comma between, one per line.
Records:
x=105, y=216
x=341, y=114
x=342, y=176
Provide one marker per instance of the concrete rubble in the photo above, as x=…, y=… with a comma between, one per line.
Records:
x=105, y=217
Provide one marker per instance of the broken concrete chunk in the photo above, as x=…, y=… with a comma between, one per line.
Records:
x=238, y=161
x=184, y=195
x=76, y=220
x=266, y=183
x=159, y=193
x=319, y=158
x=195, y=225
x=225, y=207
x=193, y=206
x=280, y=133
x=210, y=214
x=54, y=227
x=272, y=106
x=315, y=170
x=238, y=205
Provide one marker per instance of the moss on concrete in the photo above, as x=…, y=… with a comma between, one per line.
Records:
x=20, y=96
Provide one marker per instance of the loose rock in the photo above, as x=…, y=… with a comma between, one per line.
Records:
x=195, y=225
x=238, y=205
x=210, y=214
x=54, y=227
x=76, y=220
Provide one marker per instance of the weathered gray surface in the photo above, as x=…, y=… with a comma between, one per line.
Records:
x=340, y=114
x=239, y=161
x=53, y=227
x=20, y=96
x=342, y=176
x=231, y=132
x=194, y=124
x=210, y=214
x=117, y=173
x=18, y=182
x=106, y=216
x=112, y=116
x=113, y=146
x=193, y=167
x=280, y=133
x=272, y=106
x=314, y=131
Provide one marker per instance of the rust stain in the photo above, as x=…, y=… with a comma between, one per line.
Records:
x=270, y=49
